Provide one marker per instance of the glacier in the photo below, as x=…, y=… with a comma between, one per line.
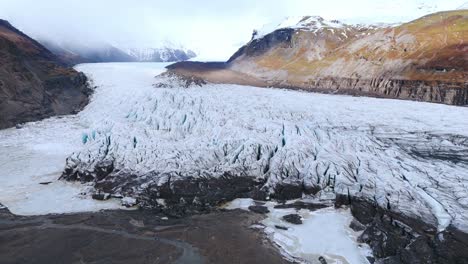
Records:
x=406, y=157
x=141, y=132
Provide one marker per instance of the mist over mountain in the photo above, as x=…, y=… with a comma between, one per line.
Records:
x=75, y=53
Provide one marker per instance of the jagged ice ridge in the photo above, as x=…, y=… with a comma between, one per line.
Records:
x=408, y=157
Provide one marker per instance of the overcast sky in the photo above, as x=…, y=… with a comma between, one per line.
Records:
x=213, y=28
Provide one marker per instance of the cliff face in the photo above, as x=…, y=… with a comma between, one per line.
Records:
x=33, y=82
x=426, y=59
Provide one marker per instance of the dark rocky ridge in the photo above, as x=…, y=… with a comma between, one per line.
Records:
x=34, y=84
x=258, y=47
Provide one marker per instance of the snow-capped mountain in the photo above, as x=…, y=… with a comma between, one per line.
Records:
x=307, y=23
x=463, y=7
x=165, y=54
x=414, y=60
x=75, y=53
x=314, y=24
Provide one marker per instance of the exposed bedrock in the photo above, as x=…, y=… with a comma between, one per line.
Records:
x=452, y=93
x=427, y=91
x=396, y=238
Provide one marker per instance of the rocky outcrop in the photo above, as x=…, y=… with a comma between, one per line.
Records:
x=34, y=84
x=396, y=238
x=423, y=60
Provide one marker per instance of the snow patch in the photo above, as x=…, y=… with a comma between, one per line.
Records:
x=324, y=232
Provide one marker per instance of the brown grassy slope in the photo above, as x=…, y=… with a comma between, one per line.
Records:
x=425, y=59
x=430, y=48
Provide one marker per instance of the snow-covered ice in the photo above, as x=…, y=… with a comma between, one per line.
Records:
x=408, y=157
x=324, y=232
x=240, y=203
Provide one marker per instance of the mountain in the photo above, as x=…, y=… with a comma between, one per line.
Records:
x=165, y=54
x=34, y=83
x=74, y=53
x=424, y=59
x=463, y=7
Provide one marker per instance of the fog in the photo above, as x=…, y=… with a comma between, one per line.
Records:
x=214, y=29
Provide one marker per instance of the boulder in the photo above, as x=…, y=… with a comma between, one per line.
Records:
x=293, y=219
x=259, y=209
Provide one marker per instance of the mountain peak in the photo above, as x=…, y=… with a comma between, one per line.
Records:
x=463, y=7
x=307, y=23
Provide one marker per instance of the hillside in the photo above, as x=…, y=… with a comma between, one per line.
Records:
x=34, y=84
x=424, y=60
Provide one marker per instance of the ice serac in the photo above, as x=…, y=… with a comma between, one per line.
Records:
x=400, y=165
x=424, y=60
x=34, y=83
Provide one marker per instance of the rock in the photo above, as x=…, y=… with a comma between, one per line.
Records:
x=45, y=183
x=396, y=238
x=356, y=226
x=129, y=201
x=302, y=205
x=101, y=196
x=293, y=219
x=322, y=260
x=281, y=227
x=174, y=80
x=288, y=191
x=259, y=209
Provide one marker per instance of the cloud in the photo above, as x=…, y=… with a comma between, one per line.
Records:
x=214, y=28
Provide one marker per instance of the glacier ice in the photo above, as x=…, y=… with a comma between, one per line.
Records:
x=37, y=152
x=407, y=157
